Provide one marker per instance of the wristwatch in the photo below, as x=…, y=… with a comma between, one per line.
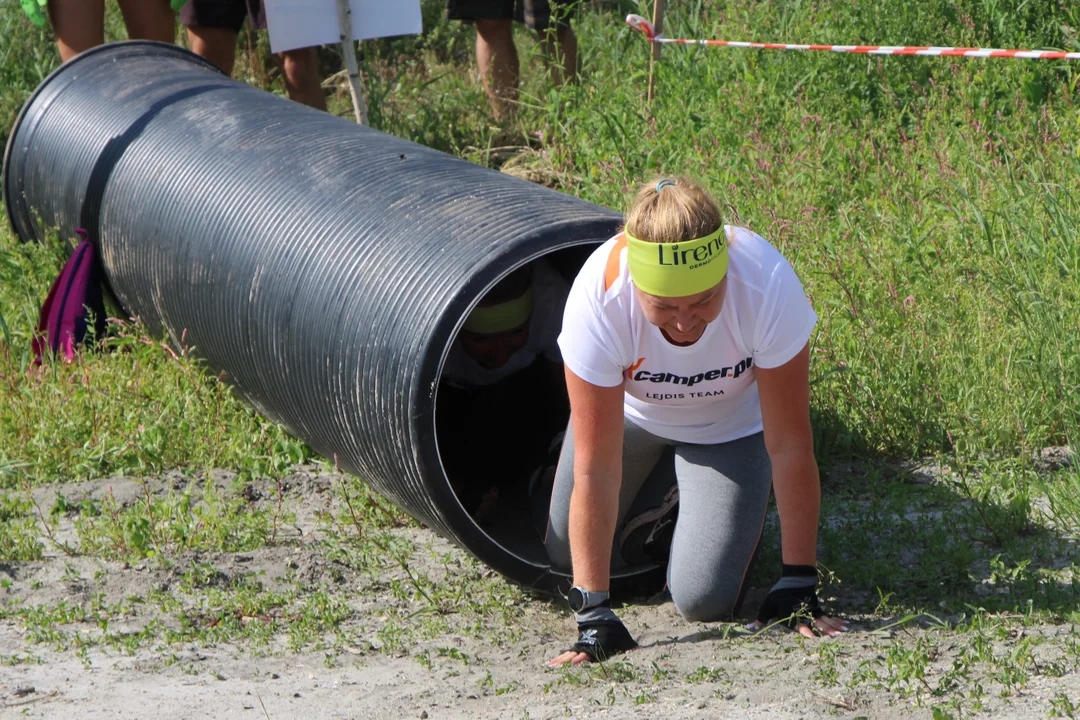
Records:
x=580, y=599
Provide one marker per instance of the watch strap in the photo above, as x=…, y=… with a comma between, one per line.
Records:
x=590, y=598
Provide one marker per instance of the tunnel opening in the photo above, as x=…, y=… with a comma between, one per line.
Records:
x=501, y=407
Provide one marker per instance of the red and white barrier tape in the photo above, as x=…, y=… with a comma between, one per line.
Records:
x=645, y=27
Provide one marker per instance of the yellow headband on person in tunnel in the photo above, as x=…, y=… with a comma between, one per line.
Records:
x=678, y=269
x=501, y=317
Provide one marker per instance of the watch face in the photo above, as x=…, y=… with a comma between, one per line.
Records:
x=575, y=599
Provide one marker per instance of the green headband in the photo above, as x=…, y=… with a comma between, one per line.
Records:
x=678, y=269
x=502, y=317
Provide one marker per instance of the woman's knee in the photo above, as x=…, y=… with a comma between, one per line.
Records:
x=703, y=603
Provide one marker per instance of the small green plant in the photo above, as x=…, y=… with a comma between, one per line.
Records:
x=828, y=671
x=704, y=674
x=71, y=574
x=1061, y=706
x=507, y=688
x=454, y=654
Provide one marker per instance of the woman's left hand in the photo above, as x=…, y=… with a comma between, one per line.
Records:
x=823, y=626
x=794, y=599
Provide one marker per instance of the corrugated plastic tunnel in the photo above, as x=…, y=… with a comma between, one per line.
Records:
x=326, y=268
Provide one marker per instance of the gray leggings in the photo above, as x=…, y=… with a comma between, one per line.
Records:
x=723, y=496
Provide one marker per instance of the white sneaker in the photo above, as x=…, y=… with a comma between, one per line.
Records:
x=646, y=537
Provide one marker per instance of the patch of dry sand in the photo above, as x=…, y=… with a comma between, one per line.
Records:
x=682, y=670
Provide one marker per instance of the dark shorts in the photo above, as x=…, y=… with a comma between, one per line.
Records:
x=226, y=14
x=535, y=14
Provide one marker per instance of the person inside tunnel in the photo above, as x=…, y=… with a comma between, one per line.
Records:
x=502, y=400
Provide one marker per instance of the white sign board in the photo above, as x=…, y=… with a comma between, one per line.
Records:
x=304, y=23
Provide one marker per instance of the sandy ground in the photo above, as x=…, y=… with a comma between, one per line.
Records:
x=770, y=679
x=682, y=670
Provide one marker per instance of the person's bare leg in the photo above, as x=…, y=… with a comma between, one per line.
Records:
x=302, y=81
x=561, y=54
x=218, y=45
x=79, y=25
x=149, y=20
x=498, y=61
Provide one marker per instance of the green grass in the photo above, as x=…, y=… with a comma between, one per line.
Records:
x=19, y=532
x=170, y=526
x=931, y=208
x=927, y=203
x=362, y=548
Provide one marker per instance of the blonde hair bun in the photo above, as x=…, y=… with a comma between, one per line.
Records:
x=671, y=210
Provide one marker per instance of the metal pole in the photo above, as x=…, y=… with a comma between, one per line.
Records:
x=658, y=27
x=348, y=51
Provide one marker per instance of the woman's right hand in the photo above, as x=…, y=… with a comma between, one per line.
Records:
x=597, y=640
x=596, y=415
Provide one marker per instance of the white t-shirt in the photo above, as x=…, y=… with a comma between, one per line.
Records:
x=703, y=393
x=549, y=297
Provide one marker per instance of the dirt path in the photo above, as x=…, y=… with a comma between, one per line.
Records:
x=156, y=646
x=769, y=679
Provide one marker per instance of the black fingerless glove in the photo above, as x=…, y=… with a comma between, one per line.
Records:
x=600, y=639
x=794, y=598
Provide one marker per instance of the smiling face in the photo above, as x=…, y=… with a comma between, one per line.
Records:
x=683, y=319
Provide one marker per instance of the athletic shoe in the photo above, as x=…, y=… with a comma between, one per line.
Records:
x=646, y=537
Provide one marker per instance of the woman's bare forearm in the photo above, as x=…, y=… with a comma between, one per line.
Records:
x=798, y=501
x=594, y=509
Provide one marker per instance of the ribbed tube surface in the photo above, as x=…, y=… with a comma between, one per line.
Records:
x=323, y=266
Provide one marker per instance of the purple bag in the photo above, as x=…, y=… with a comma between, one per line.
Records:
x=74, y=295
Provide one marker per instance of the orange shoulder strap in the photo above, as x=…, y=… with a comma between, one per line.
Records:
x=612, y=273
